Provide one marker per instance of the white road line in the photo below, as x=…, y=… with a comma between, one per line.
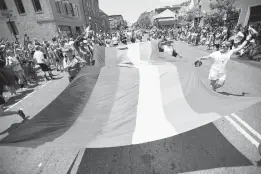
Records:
x=254, y=132
x=242, y=131
x=77, y=162
x=27, y=96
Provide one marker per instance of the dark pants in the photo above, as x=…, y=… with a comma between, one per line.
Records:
x=71, y=78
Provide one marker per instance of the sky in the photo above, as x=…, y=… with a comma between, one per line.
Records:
x=131, y=9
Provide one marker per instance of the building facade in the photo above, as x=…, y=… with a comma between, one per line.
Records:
x=105, y=22
x=116, y=21
x=250, y=11
x=41, y=19
x=91, y=13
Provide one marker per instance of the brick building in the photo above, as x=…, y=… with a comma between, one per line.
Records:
x=91, y=13
x=39, y=18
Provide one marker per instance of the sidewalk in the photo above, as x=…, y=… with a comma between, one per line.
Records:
x=22, y=93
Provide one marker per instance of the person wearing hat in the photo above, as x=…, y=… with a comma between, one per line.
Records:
x=217, y=73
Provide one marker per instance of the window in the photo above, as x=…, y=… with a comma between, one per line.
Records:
x=20, y=6
x=78, y=30
x=37, y=5
x=77, y=11
x=12, y=27
x=65, y=8
x=3, y=5
x=71, y=9
x=58, y=7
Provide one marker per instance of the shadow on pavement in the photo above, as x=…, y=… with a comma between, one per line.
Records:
x=199, y=149
x=18, y=97
x=13, y=127
x=236, y=95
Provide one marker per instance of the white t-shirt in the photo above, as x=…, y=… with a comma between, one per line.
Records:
x=220, y=60
x=39, y=57
x=168, y=49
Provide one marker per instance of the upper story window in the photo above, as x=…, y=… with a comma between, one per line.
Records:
x=20, y=6
x=37, y=5
x=12, y=27
x=77, y=11
x=3, y=5
x=71, y=9
x=58, y=6
x=65, y=8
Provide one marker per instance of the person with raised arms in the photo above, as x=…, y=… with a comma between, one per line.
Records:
x=217, y=73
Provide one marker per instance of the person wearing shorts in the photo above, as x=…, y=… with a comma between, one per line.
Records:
x=40, y=60
x=217, y=73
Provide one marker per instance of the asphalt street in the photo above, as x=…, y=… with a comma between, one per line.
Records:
x=243, y=79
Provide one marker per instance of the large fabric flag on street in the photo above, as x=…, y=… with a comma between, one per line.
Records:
x=134, y=95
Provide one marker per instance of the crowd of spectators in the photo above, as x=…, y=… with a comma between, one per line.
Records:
x=211, y=38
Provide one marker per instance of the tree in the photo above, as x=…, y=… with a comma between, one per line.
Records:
x=186, y=3
x=144, y=20
x=192, y=14
x=219, y=10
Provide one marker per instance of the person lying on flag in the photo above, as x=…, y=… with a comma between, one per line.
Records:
x=167, y=46
x=217, y=73
x=72, y=64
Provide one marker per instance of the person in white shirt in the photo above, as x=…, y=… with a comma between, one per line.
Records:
x=217, y=73
x=73, y=64
x=42, y=62
x=167, y=46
